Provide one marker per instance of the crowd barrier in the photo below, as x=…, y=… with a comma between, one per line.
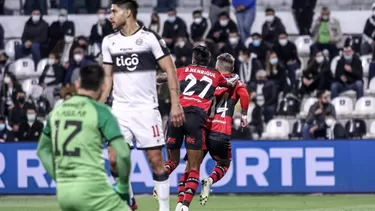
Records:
x=257, y=167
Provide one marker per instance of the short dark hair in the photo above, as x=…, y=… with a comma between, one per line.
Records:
x=92, y=77
x=131, y=5
x=201, y=55
x=320, y=93
x=269, y=9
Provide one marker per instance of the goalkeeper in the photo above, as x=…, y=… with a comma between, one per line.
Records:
x=71, y=149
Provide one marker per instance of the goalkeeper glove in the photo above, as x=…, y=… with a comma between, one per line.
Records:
x=123, y=191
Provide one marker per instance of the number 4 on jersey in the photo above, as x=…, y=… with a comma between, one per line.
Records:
x=221, y=107
x=193, y=81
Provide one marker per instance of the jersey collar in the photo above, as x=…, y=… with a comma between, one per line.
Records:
x=141, y=27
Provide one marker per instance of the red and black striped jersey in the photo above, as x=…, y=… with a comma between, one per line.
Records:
x=197, y=86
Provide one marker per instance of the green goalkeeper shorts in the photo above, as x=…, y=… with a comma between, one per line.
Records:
x=89, y=197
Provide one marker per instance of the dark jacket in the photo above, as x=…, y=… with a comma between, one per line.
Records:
x=59, y=72
x=95, y=37
x=35, y=32
x=278, y=75
x=298, y=4
x=369, y=30
x=287, y=52
x=7, y=135
x=260, y=51
x=198, y=30
x=186, y=52
x=2, y=36
x=320, y=73
x=30, y=133
x=338, y=132
x=31, y=4
x=18, y=113
x=221, y=3
x=319, y=120
x=33, y=52
x=42, y=106
x=57, y=31
x=224, y=31
x=269, y=92
x=357, y=70
x=174, y=30
x=271, y=31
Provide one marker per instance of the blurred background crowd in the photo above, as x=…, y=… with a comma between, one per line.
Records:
x=317, y=84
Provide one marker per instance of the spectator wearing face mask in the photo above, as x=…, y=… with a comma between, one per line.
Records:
x=245, y=14
x=174, y=26
x=315, y=122
x=52, y=78
x=18, y=113
x=255, y=116
x=101, y=29
x=42, y=105
x=233, y=45
x=265, y=94
x=31, y=128
x=59, y=29
x=276, y=72
x=9, y=89
x=335, y=130
x=5, y=134
x=272, y=27
x=369, y=33
x=63, y=47
x=326, y=33
x=348, y=75
x=248, y=67
x=217, y=7
x=258, y=47
x=80, y=42
x=155, y=23
x=317, y=75
x=35, y=33
x=200, y=26
x=287, y=53
x=222, y=28
x=183, y=51
x=79, y=60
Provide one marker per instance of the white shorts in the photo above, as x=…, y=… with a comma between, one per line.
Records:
x=142, y=127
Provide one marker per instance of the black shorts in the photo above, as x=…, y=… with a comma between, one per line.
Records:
x=193, y=131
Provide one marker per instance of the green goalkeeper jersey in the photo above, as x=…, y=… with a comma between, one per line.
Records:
x=78, y=129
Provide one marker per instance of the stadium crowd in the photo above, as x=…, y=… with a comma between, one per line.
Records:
x=329, y=90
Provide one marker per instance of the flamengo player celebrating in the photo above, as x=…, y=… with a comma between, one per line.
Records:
x=71, y=149
x=130, y=57
x=197, y=87
x=219, y=124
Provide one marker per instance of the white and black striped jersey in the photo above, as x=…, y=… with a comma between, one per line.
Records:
x=134, y=59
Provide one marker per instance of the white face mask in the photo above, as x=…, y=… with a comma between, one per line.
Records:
x=198, y=20
x=270, y=18
x=35, y=18
x=68, y=39
x=319, y=59
x=233, y=40
x=101, y=17
x=330, y=122
x=51, y=61
x=224, y=22
x=6, y=79
x=62, y=19
x=181, y=44
x=241, y=59
x=78, y=57
x=283, y=42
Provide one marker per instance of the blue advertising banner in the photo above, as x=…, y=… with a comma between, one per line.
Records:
x=257, y=167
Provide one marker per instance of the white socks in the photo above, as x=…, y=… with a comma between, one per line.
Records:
x=162, y=188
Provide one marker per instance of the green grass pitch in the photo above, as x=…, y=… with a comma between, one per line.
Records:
x=220, y=203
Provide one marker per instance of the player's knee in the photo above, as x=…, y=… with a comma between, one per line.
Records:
x=224, y=162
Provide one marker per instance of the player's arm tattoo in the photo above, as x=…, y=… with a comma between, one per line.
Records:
x=107, y=81
x=168, y=66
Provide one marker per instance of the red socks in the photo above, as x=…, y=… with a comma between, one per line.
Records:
x=218, y=173
x=170, y=166
x=181, y=187
x=191, y=187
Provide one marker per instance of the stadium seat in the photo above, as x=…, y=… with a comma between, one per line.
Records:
x=371, y=87
x=10, y=47
x=23, y=68
x=334, y=64
x=40, y=67
x=343, y=105
x=303, y=44
x=365, y=107
x=366, y=60
x=277, y=129
x=371, y=133
x=306, y=104
x=29, y=85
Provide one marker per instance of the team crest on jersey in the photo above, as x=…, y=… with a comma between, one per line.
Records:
x=162, y=43
x=139, y=41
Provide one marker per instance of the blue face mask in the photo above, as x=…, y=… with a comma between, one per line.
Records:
x=273, y=61
x=2, y=127
x=256, y=43
x=172, y=19
x=31, y=117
